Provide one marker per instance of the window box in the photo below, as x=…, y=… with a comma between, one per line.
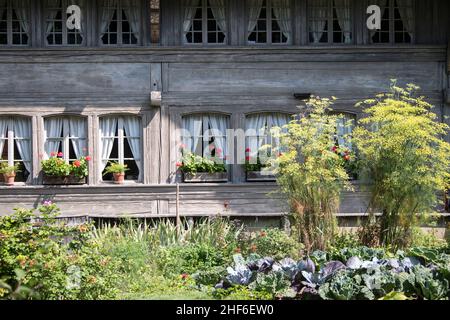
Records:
x=255, y=176
x=69, y=180
x=204, y=177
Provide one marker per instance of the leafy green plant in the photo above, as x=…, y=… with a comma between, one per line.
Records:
x=55, y=166
x=115, y=167
x=310, y=173
x=5, y=169
x=192, y=163
x=406, y=159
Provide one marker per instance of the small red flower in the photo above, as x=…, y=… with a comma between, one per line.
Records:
x=184, y=276
x=347, y=157
x=247, y=158
x=88, y=158
x=179, y=164
x=60, y=154
x=77, y=163
x=247, y=150
x=334, y=149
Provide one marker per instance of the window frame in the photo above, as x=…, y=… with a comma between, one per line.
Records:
x=9, y=29
x=330, y=22
x=204, y=6
x=392, y=27
x=142, y=24
x=120, y=138
x=269, y=30
x=10, y=143
x=66, y=139
x=64, y=32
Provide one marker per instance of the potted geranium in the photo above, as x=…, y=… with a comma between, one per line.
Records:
x=59, y=172
x=118, y=171
x=9, y=173
x=203, y=169
x=255, y=170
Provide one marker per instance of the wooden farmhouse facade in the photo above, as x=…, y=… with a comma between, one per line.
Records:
x=137, y=72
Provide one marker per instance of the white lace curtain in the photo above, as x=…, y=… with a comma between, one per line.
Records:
x=318, y=10
x=132, y=130
x=255, y=7
x=206, y=127
x=21, y=8
x=282, y=10
x=189, y=13
x=343, y=12
x=78, y=129
x=219, y=12
x=405, y=7
x=22, y=136
x=52, y=129
x=132, y=12
x=258, y=130
x=3, y=134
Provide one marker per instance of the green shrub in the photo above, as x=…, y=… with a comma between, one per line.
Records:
x=271, y=242
x=55, y=261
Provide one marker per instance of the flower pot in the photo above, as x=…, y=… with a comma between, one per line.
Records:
x=205, y=177
x=9, y=178
x=119, y=178
x=255, y=176
x=69, y=180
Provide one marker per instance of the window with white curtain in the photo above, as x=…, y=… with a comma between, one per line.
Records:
x=66, y=135
x=55, y=29
x=15, y=22
x=345, y=124
x=120, y=141
x=205, y=134
x=269, y=21
x=258, y=132
x=15, y=144
x=397, y=22
x=330, y=21
x=120, y=22
x=205, y=21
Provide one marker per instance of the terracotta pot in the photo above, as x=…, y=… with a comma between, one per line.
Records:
x=9, y=178
x=119, y=178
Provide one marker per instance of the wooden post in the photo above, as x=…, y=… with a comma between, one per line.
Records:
x=178, y=222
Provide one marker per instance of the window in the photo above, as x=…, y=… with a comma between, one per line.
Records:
x=66, y=135
x=258, y=132
x=56, y=31
x=330, y=21
x=397, y=22
x=345, y=125
x=120, y=22
x=154, y=20
x=14, y=22
x=205, y=21
x=269, y=21
x=15, y=144
x=120, y=141
x=205, y=134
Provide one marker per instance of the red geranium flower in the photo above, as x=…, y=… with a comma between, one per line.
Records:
x=60, y=154
x=88, y=158
x=247, y=150
x=347, y=157
x=77, y=163
x=184, y=276
x=334, y=149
